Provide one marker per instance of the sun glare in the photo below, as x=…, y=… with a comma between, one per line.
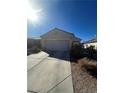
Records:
x=32, y=14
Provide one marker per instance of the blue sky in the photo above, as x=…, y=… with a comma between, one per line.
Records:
x=76, y=16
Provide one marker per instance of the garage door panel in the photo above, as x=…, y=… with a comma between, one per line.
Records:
x=60, y=45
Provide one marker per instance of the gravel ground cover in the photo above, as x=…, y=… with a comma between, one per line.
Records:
x=84, y=75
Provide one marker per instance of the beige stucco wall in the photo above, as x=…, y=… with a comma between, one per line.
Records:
x=58, y=35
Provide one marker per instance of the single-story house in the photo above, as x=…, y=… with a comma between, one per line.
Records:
x=58, y=40
x=92, y=42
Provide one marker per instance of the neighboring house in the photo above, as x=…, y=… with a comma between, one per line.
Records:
x=58, y=40
x=92, y=42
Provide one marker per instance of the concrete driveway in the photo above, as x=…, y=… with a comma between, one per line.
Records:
x=64, y=55
x=50, y=75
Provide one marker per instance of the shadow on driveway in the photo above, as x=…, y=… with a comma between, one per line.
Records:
x=64, y=55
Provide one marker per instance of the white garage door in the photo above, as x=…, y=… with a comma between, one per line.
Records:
x=57, y=45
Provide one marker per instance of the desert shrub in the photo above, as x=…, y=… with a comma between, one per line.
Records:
x=33, y=46
x=33, y=42
x=90, y=66
x=77, y=52
x=91, y=69
x=34, y=49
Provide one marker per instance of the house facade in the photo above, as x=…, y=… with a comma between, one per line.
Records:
x=58, y=40
x=92, y=42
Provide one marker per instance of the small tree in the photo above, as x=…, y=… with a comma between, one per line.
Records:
x=75, y=51
x=92, y=52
